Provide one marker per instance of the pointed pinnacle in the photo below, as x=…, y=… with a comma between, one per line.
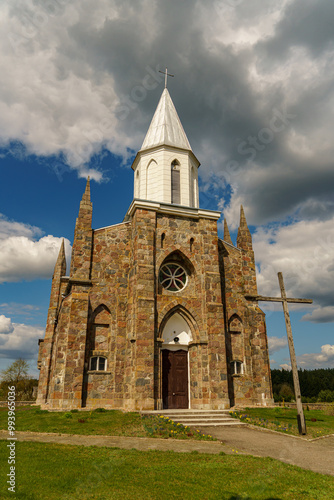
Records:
x=243, y=222
x=61, y=254
x=60, y=267
x=227, y=236
x=86, y=195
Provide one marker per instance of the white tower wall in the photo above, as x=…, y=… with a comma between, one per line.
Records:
x=165, y=142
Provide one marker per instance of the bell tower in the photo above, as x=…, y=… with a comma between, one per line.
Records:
x=165, y=168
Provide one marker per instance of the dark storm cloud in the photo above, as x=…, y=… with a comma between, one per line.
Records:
x=240, y=66
x=307, y=24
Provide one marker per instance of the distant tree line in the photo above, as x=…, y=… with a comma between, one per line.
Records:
x=315, y=385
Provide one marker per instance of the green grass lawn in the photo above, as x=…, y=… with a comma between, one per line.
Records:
x=106, y=422
x=62, y=472
x=318, y=422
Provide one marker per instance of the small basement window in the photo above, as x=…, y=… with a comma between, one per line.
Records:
x=237, y=368
x=98, y=363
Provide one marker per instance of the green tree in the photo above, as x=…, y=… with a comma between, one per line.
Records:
x=326, y=396
x=16, y=372
x=286, y=392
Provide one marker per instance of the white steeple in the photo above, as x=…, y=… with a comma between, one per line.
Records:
x=166, y=169
x=166, y=127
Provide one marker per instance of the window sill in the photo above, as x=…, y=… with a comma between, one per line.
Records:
x=98, y=372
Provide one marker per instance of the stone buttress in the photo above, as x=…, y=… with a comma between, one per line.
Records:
x=246, y=339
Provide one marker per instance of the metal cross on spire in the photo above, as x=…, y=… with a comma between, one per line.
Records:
x=166, y=75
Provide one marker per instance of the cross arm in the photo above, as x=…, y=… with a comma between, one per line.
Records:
x=277, y=299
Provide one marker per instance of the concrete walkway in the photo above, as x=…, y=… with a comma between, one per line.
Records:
x=128, y=443
x=313, y=454
x=316, y=455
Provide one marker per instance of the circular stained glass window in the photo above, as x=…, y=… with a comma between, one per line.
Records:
x=173, y=277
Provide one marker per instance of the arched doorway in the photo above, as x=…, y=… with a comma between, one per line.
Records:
x=175, y=367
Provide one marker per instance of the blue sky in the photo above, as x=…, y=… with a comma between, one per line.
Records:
x=254, y=90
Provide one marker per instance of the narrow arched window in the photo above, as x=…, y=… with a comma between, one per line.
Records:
x=137, y=195
x=163, y=236
x=191, y=244
x=175, y=182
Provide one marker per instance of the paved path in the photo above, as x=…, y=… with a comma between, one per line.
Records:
x=127, y=443
x=316, y=455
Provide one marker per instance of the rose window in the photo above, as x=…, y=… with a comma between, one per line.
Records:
x=173, y=277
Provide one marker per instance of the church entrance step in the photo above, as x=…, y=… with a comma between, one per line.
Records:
x=198, y=418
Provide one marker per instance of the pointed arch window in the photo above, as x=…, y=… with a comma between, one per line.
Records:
x=175, y=182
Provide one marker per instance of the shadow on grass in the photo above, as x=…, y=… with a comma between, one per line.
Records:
x=237, y=497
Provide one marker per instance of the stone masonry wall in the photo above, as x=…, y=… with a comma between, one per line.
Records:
x=194, y=244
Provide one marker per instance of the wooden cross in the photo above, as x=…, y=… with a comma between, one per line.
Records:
x=285, y=300
x=166, y=74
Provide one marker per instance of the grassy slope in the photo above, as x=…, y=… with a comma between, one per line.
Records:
x=285, y=420
x=53, y=472
x=107, y=423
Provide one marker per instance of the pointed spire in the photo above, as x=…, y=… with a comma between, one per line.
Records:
x=227, y=236
x=86, y=208
x=166, y=127
x=244, y=239
x=82, y=242
x=86, y=195
x=243, y=222
x=60, y=267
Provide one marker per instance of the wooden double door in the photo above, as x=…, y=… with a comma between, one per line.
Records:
x=175, y=379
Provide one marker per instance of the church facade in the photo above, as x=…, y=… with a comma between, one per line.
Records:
x=154, y=313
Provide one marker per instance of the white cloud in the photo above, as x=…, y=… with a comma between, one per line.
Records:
x=24, y=258
x=13, y=228
x=56, y=98
x=320, y=315
x=285, y=366
x=5, y=325
x=276, y=344
x=304, y=253
x=325, y=359
x=22, y=342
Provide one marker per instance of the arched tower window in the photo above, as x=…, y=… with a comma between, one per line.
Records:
x=175, y=182
x=163, y=236
x=193, y=187
x=137, y=186
x=151, y=180
x=191, y=244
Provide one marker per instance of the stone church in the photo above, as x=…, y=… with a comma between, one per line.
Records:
x=154, y=312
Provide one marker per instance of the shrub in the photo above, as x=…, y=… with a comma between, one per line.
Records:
x=326, y=396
